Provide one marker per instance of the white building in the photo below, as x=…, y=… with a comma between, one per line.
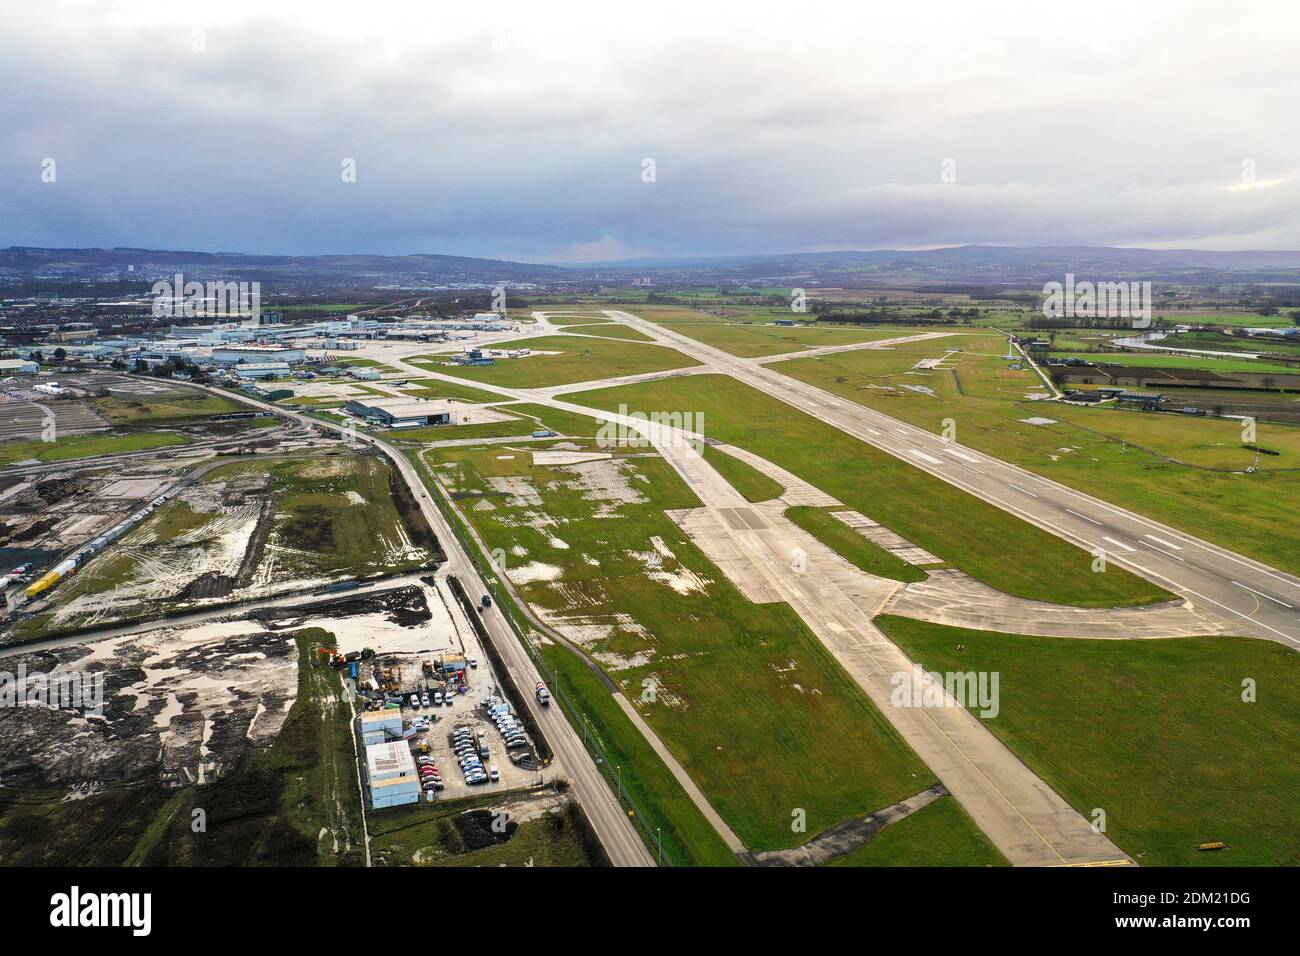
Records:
x=390, y=770
x=256, y=354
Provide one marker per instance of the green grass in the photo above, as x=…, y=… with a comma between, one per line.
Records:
x=1131, y=459
x=88, y=446
x=611, y=330
x=1210, y=363
x=688, y=838
x=170, y=406
x=749, y=700
x=851, y=546
x=437, y=388
x=1154, y=732
x=940, y=834
x=744, y=477
x=761, y=336
x=579, y=360
x=459, y=833
x=992, y=545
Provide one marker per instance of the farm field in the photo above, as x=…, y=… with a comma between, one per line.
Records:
x=990, y=544
x=1166, y=360
x=1175, y=469
x=745, y=696
x=1219, y=341
x=578, y=360
x=1154, y=732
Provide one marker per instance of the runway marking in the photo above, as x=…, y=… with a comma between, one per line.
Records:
x=1085, y=518
x=1119, y=544
x=1167, y=554
x=924, y=457
x=1263, y=595
x=1022, y=490
x=1167, y=544
x=962, y=455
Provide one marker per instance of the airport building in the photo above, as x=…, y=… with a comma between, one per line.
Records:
x=256, y=354
x=401, y=412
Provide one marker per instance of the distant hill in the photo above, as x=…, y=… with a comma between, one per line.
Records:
x=985, y=266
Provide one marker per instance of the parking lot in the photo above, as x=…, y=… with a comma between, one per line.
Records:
x=458, y=683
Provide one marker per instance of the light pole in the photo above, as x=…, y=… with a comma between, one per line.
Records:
x=619, y=771
x=659, y=842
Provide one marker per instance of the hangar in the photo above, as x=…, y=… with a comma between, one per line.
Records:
x=401, y=412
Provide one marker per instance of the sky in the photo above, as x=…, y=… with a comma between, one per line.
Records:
x=568, y=132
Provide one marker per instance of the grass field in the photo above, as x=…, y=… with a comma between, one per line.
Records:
x=1128, y=458
x=459, y=833
x=1220, y=341
x=610, y=330
x=756, y=334
x=853, y=547
x=1166, y=360
x=341, y=514
x=938, y=835
x=744, y=477
x=578, y=360
x=750, y=702
x=437, y=388
x=688, y=838
x=1153, y=732
x=171, y=406
x=988, y=543
x=88, y=446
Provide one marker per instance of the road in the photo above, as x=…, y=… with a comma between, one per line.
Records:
x=1258, y=600
x=617, y=834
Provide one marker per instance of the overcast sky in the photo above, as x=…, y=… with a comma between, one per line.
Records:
x=521, y=130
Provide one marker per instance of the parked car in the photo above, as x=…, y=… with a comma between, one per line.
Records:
x=493, y=773
x=473, y=662
x=424, y=700
x=437, y=698
x=415, y=701
x=516, y=744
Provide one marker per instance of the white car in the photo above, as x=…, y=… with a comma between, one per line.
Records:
x=493, y=773
x=424, y=700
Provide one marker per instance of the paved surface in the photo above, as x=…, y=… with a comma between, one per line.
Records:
x=1254, y=599
x=616, y=833
x=955, y=598
x=770, y=559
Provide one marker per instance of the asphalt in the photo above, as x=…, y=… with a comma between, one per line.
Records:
x=1254, y=599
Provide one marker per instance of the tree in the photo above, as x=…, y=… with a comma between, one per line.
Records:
x=60, y=354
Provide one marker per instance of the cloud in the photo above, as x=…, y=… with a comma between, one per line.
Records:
x=516, y=129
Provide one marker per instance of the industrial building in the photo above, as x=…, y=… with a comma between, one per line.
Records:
x=256, y=354
x=363, y=374
x=262, y=370
x=391, y=774
x=22, y=366
x=381, y=726
x=401, y=412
